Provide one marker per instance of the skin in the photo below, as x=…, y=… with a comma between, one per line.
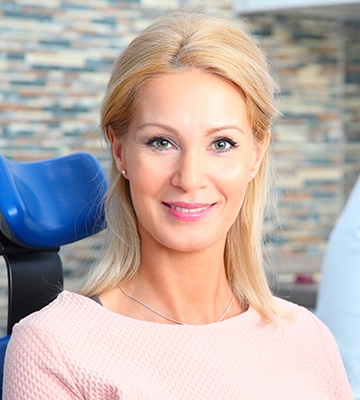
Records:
x=189, y=156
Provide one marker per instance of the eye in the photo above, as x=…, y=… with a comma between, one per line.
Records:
x=159, y=143
x=223, y=145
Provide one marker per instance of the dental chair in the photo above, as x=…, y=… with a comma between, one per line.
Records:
x=44, y=205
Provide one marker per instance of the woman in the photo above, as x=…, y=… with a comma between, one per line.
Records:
x=178, y=307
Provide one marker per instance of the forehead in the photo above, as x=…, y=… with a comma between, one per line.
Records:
x=191, y=97
x=197, y=79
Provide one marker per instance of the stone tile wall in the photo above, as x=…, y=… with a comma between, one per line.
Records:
x=352, y=102
x=55, y=59
x=317, y=141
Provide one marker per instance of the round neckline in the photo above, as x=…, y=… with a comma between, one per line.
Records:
x=213, y=325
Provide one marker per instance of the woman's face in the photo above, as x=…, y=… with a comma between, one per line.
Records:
x=188, y=155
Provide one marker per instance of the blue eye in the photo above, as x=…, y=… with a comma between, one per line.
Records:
x=224, y=144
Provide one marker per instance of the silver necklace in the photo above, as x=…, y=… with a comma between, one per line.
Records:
x=173, y=319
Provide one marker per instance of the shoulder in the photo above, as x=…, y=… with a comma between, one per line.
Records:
x=63, y=303
x=61, y=333
x=302, y=338
x=41, y=349
x=300, y=319
x=305, y=328
x=67, y=314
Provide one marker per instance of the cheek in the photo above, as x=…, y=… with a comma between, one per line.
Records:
x=237, y=191
x=139, y=195
x=146, y=181
x=237, y=171
x=235, y=182
x=144, y=166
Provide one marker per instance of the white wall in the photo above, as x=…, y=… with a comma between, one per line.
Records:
x=267, y=5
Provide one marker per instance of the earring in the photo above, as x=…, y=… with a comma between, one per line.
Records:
x=123, y=172
x=251, y=176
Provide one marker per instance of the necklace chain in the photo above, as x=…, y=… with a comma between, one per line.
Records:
x=173, y=319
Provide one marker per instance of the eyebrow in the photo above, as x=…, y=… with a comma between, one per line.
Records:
x=208, y=133
x=157, y=125
x=224, y=128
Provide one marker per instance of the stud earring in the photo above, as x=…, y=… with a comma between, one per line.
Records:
x=123, y=172
x=251, y=176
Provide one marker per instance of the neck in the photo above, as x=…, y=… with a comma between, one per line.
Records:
x=190, y=287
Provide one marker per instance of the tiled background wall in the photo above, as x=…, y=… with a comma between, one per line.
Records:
x=317, y=142
x=55, y=59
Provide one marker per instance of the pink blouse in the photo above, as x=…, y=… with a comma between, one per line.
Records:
x=77, y=349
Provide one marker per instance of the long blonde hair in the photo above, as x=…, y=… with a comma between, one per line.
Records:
x=172, y=44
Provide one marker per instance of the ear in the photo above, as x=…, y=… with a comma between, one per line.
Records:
x=260, y=150
x=117, y=150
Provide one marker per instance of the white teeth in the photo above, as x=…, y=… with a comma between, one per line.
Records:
x=189, y=210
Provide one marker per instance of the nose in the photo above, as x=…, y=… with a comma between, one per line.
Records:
x=192, y=171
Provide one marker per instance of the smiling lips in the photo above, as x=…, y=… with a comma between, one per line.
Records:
x=188, y=211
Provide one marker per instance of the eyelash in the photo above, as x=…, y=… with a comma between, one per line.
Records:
x=232, y=143
x=152, y=143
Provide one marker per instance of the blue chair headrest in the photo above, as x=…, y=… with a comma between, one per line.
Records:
x=50, y=203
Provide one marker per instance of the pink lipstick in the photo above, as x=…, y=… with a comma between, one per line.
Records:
x=188, y=211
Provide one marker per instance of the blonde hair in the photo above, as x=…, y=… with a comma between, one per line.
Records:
x=175, y=43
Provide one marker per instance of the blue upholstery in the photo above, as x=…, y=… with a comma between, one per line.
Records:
x=40, y=205
x=3, y=344
x=44, y=205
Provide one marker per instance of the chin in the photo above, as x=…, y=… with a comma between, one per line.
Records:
x=191, y=245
